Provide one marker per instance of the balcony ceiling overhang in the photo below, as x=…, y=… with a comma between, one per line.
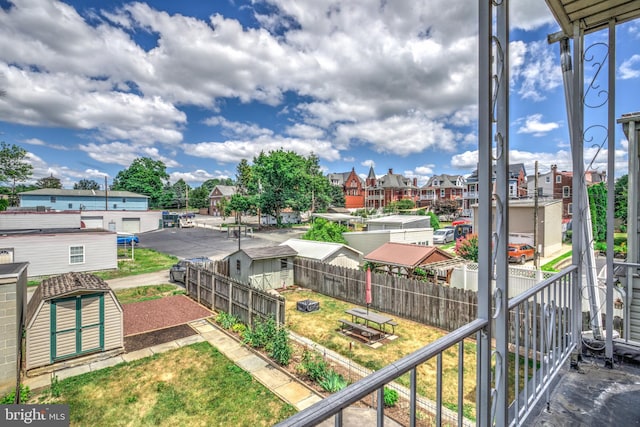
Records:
x=592, y=15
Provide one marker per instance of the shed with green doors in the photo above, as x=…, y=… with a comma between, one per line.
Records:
x=72, y=318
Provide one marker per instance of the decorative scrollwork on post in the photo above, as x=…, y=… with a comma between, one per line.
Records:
x=588, y=137
x=597, y=60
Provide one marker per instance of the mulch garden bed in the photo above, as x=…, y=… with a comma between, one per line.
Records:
x=161, y=313
x=161, y=336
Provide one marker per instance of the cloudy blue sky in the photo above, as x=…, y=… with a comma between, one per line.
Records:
x=91, y=85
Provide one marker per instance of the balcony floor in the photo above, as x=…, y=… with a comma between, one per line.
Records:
x=593, y=396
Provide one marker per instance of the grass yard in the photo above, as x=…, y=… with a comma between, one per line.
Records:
x=146, y=293
x=322, y=327
x=147, y=261
x=190, y=386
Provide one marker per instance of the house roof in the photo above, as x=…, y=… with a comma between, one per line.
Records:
x=403, y=254
x=269, y=252
x=79, y=193
x=514, y=172
x=397, y=219
x=64, y=285
x=225, y=190
x=444, y=181
x=317, y=250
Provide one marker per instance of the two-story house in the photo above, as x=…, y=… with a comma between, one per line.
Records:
x=218, y=197
x=352, y=186
x=443, y=187
x=389, y=188
x=517, y=186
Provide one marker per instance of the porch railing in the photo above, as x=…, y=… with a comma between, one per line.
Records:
x=542, y=336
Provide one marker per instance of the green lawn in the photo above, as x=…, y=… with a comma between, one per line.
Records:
x=146, y=293
x=191, y=386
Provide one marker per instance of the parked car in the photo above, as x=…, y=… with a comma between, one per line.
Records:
x=521, y=252
x=178, y=271
x=443, y=235
x=187, y=222
x=127, y=239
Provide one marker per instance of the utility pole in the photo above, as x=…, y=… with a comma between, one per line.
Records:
x=536, y=253
x=106, y=197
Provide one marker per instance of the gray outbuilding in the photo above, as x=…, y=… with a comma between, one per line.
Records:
x=71, y=316
x=263, y=268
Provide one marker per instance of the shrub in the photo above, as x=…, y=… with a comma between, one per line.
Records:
x=390, y=397
x=10, y=397
x=467, y=247
x=333, y=382
x=226, y=320
x=314, y=366
x=239, y=328
x=281, y=349
x=262, y=334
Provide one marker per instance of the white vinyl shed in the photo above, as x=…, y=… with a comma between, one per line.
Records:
x=69, y=316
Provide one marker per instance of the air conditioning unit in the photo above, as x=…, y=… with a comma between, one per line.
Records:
x=308, y=305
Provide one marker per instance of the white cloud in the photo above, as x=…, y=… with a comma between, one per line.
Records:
x=198, y=175
x=124, y=154
x=533, y=125
x=534, y=69
x=304, y=131
x=37, y=141
x=399, y=135
x=630, y=69
x=237, y=129
x=232, y=151
x=368, y=163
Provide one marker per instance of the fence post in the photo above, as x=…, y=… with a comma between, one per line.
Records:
x=278, y=312
x=464, y=276
x=199, y=284
x=230, y=298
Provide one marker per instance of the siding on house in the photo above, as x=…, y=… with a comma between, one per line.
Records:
x=39, y=337
x=113, y=317
x=17, y=220
x=48, y=252
x=367, y=241
x=84, y=200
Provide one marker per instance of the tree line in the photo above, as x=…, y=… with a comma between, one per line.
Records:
x=273, y=182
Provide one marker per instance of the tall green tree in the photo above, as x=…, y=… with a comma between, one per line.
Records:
x=598, y=208
x=286, y=180
x=49, y=182
x=86, y=184
x=14, y=168
x=622, y=194
x=145, y=176
x=181, y=192
x=326, y=231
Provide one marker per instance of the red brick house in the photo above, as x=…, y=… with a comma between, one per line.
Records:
x=217, y=198
x=352, y=187
x=562, y=190
x=389, y=188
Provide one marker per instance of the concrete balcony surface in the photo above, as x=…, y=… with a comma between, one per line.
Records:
x=592, y=395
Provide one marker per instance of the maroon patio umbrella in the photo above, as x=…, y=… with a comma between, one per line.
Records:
x=368, y=291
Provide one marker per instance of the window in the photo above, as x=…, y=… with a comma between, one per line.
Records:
x=283, y=264
x=124, y=200
x=238, y=266
x=115, y=206
x=76, y=254
x=70, y=205
x=442, y=194
x=53, y=199
x=547, y=179
x=566, y=191
x=570, y=209
x=558, y=179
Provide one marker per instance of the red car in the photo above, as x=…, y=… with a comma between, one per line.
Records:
x=521, y=252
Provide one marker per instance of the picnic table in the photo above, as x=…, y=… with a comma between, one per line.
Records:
x=361, y=323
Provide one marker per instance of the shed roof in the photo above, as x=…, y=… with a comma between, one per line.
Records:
x=65, y=285
x=78, y=193
x=269, y=252
x=403, y=254
x=317, y=250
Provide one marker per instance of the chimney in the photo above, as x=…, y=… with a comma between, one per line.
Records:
x=390, y=171
x=415, y=182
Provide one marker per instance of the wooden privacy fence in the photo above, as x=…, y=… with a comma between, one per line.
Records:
x=440, y=306
x=210, y=286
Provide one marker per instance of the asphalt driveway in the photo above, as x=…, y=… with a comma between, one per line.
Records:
x=194, y=242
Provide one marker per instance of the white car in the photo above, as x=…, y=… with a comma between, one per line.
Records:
x=443, y=235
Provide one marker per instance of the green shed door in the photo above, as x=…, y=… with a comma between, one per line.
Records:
x=77, y=326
